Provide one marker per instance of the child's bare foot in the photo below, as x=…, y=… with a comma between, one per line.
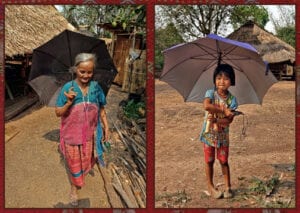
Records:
x=215, y=193
x=228, y=193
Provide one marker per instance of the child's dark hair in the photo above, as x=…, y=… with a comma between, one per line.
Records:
x=225, y=68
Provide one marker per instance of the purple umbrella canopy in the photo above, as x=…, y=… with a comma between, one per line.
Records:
x=189, y=69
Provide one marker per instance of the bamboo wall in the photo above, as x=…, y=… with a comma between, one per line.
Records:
x=134, y=80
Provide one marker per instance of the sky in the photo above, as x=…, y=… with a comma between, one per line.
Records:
x=271, y=9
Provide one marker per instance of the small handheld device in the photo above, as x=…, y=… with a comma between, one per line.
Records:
x=107, y=146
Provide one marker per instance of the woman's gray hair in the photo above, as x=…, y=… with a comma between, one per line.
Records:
x=83, y=57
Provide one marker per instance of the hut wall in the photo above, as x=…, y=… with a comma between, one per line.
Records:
x=282, y=70
x=121, y=52
x=135, y=74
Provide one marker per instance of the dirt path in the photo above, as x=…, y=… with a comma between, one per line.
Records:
x=267, y=152
x=35, y=177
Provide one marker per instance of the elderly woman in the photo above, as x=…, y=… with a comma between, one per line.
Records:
x=80, y=105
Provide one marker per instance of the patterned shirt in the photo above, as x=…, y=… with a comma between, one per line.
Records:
x=213, y=134
x=83, y=117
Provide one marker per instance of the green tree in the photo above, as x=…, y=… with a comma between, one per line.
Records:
x=287, y=34
x=165, y=38
x=126, y=16
x=243, y=13
x=68, y=12
x=284, y=23
x=194, y=21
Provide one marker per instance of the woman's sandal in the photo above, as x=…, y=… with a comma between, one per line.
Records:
x=216, y=194
x=74, y=199
x=228, y=193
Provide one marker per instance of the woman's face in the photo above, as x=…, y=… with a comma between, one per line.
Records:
x=85, y=71
x=223, y=81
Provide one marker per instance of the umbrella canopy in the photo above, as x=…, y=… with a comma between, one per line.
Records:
x=51, y=63
x=189, y=69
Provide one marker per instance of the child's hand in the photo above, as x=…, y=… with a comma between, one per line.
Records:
x=210, y=117
x=70, y=95
x=228, y=113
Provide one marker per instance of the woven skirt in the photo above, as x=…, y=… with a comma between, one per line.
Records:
x=79, y=163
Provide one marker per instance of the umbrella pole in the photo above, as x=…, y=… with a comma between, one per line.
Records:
x=219, y=53
x=70, y=57
x=72, y=74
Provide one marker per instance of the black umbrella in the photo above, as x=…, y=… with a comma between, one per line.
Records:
x=51, y=63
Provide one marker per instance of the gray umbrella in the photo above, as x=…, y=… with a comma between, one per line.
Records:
x=189, y=69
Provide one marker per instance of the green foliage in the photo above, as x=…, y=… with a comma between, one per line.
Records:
x=173, y=200
x=243, y=13
x=126, y=16
x=264, y=187
x=165, y=38
x=194, y=21
x=134, y=110
x=287, y=34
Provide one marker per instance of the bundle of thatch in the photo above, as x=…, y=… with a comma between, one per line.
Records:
x=270, y=47
x=29, y=26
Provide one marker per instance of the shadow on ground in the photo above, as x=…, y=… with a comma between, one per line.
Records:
x=82, y=203
x=52, y=135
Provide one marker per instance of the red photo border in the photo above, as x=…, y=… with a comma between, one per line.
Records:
x=150, y=4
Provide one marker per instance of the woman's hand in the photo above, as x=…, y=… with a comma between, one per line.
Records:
x=106, y=134
x=60, y=111
x=70, y=95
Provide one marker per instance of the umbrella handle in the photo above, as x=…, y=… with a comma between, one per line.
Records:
x=235, y=112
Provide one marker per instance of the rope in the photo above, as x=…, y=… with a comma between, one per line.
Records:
x=245, y=123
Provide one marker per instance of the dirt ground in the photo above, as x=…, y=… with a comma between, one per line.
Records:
x=263, y=159
x=35, y=176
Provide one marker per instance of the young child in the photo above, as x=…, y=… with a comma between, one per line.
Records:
x=218, y=105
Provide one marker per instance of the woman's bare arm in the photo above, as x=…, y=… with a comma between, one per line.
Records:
x=105, y=123
x=60, y=111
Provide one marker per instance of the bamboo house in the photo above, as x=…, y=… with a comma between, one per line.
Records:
x=279, y=55
x=26, y=28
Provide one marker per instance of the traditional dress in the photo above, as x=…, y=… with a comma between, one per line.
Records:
x=77, y=129
x=214, y=135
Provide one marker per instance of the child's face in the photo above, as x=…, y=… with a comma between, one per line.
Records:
x=223, y=81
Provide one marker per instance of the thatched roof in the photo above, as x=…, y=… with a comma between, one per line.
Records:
x=270, y=47
x=29, y=26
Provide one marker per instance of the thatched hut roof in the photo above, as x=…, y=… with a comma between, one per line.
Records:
x=270, y=47
x=29, y=26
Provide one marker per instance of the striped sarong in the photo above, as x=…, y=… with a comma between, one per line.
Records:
x=79, y=163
